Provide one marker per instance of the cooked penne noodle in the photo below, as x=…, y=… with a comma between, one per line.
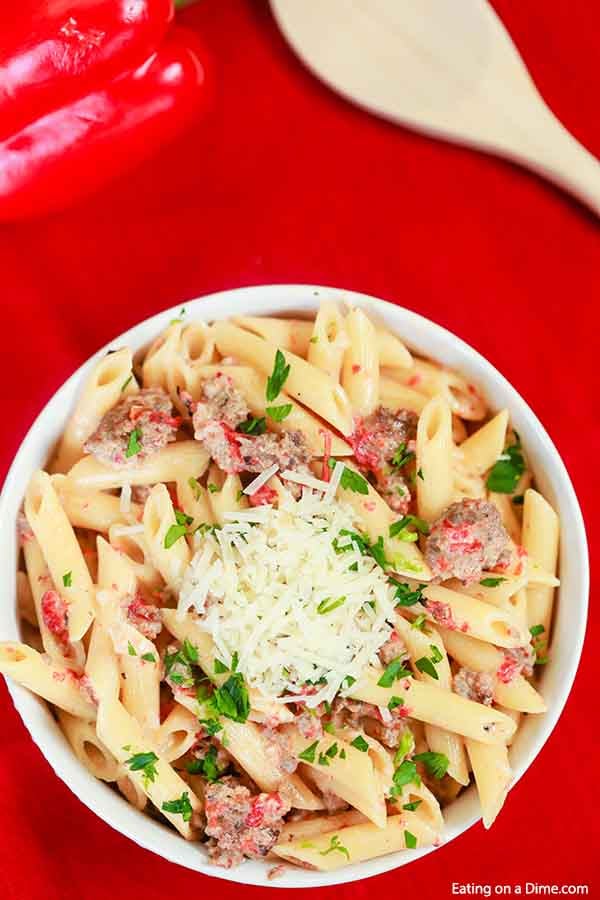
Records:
x=436, y=706
x=110, y=381
x=62, y=553
x=540, y=540
x=55, y=683
x=184, y=459
x=328, y=342
x=87, y=747
x=481, y=450
x=224, y=494
x=435, y=486
x=178, y=733
x=305, y=383
x=25, y=601
x=479, y=619
x=170, y=559
x=399, y=396
x=289, y=334
x=95, y=510
x=360, y=372
x=492, y=773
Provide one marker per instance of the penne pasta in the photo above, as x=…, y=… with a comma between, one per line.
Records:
x=360, y=372
x=328, y=341
x=435, y=486
x=181, y=460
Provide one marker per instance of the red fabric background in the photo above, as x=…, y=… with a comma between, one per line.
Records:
x=286, y=182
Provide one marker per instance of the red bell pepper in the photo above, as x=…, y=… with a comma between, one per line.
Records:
x=71, y=151
x=52, y=50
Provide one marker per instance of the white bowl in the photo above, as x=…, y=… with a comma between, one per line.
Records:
x=551, y=476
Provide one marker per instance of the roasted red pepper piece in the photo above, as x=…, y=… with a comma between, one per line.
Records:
x=72, y=151
x=54, y=50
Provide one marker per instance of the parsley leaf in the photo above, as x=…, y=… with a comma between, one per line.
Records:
x=220, y=667
x=189, y=652
x=419, y=623
x=420, y=475
x=406, y=773
x=279, y=413
x=133, y=445
x=308, y=755
x=149, y=657
x=131, y=649
x=400, y=528
x=213, y=489
x=193, y=483
x=181, y=806
x=351, y=480
x=394, y=702
x=211, y=726
x=144, y=762
x=536, y=629
x=125, y=383
x=334, y=844
x=410, y=807
x=405, y=595
x=279, y=376
x=329, y=728
x=506, y=472
x=332, y=751
x=491, y=582
x=231, y=699
x=253, y=426
x=210, y=769
x=426, y=666
x=402, y=456
x=410, y=840
x=67, y=579
x=436, y=763
x=393, y=672
x=174, y=532
x=359, y=743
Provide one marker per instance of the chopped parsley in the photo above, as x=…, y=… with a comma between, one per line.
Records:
x=253, y=426
x=323, y=760
x=308, y=755
x=220, y=667
x=377, y=551
x=328, y=605
x=67, y=579
x=329, y=728
x=314, y=339
x=143, y=762
x=410, y=840
x=278, y=378
x=419, y=623
x=125, y=383
x=209, y=767
x=149, y=657
x=133, y=444
x=394, y=702
x=279, y=413
x=436, y=763
x=193, y=483
x=131, y=649
x=393, y=672
x=342, y=753
x=351, y=480
x=420, y=475
x=334, y=844
x=332, y=751
x=174, y=532
x=410, y=807
x=400, y=529
x=401, y=457
x=506, y=472
x=406, y=773
x=190, y=653
x=491, y=582
x=426, y=666
x=213, y=489
x=231, y=699
x=405, y=595
x=359, y=743
x=406, y=745
x=211, y=726
x=536, y=629
x=349, y=681
x=179, y=807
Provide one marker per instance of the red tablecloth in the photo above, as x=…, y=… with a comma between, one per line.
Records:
x=288, y=183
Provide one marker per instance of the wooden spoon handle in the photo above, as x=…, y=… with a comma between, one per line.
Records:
x=552, y=151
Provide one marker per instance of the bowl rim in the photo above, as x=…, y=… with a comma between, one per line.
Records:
x=34, y=711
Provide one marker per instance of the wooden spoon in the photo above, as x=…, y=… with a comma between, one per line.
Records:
x=444, y=67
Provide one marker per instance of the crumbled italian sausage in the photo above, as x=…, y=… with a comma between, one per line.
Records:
x=241, y=825
x=393, y=648
x=220, y=402
x=467, y=538
x=143, y=616
x=477, y=686
x=377, y=437
x=149, y=414
x=516, y=661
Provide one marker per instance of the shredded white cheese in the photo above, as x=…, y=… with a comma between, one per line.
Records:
x=301, y=616
x=261, y=479
x=125, y=501
x=120, y=530
x=304, y=479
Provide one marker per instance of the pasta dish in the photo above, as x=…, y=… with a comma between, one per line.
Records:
x=287, y=587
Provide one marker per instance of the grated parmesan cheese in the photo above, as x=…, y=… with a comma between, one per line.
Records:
x=125, y=501
x=270, y=584
x=261, y=479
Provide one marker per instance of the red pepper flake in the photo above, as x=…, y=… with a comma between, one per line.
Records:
x=360, y=440
x=264, y=496
x=355, y=369
x=55, y=617
x=257, y=813
x=508, y=670
x=326, y=473
x=442, y=614
x=413, y=381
